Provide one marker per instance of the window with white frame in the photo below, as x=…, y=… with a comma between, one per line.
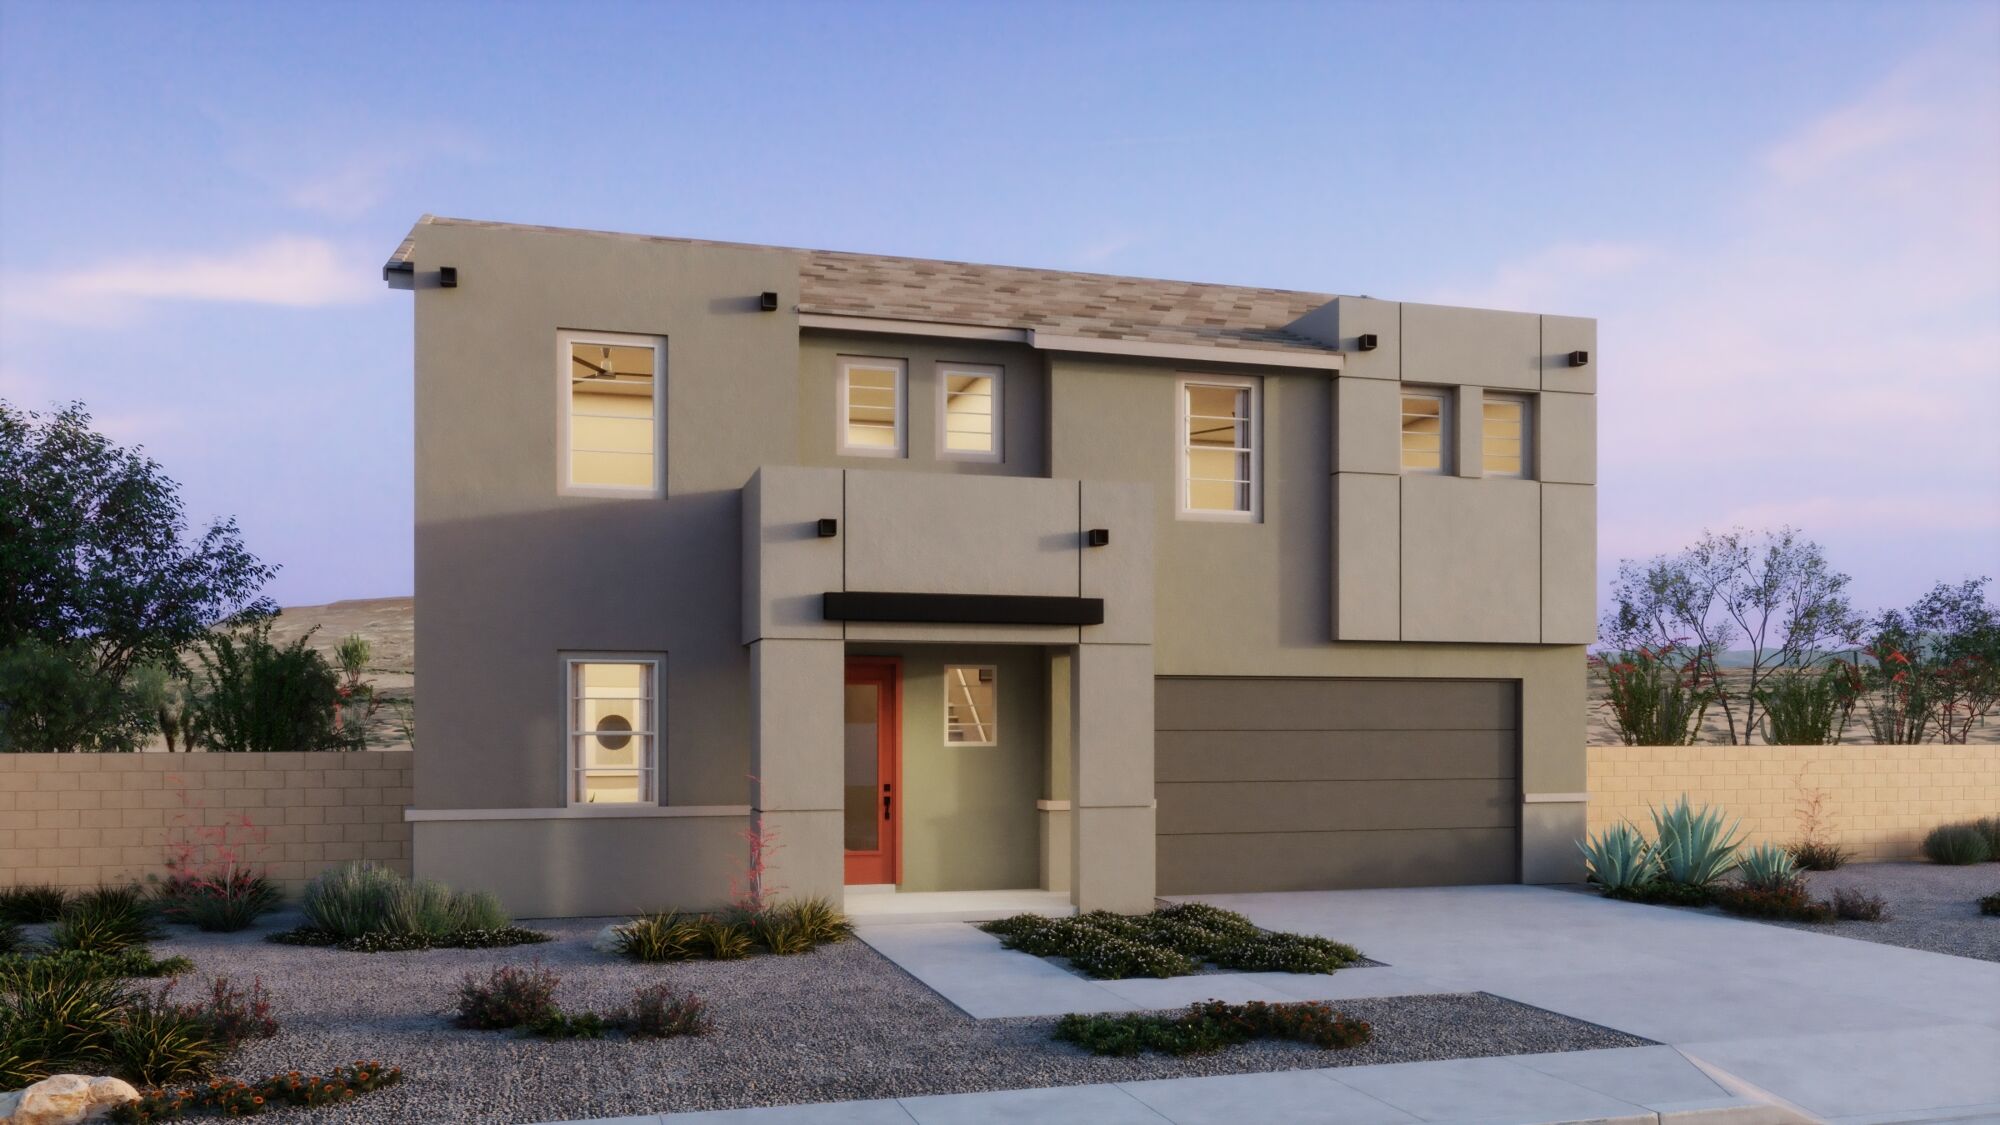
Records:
x=971, y=705
x=1505, y=436
x=613, y=730
x=873, y=394
x=969, y=412
x=611, y=412
x=1219, y=448
x=1427, y=433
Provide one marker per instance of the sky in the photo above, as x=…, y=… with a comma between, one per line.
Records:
x=1786, y=216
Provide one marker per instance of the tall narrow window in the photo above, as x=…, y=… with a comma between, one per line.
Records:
x=872, y=397
x=1505, y=438
x=971, y=701
x=968, y=412
x=613, y=731
x=1219, y=448
x=1427, y=438
x=611, y=402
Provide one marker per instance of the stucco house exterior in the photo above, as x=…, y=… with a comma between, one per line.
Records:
x=962, y=577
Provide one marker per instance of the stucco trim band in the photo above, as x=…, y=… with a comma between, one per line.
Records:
x=580, y=812
x=1555, y=798
x=1052, y=806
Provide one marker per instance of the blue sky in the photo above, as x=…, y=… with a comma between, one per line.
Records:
x=1786, y=216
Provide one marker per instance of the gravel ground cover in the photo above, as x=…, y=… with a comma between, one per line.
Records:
x=1929, y=906
x=840, y=1023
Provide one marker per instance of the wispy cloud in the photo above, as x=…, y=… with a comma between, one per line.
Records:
x=297, y=271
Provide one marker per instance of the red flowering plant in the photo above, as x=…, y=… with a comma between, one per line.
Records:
x=211, y=882
x=1656, y=696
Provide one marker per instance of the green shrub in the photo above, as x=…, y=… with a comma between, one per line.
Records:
x=12, y=940
x=1109, y=957
x=363, y=901
x=1989, y=827
x=1618, y=859
x=1807, y=707
x=720, y=939
x=256, y=696
x=567, y=1025
x=659, y=1011
x=507, y=996
x=657, y=937
x=105, y=920
x=1767, y=867
x=1956, y=844
x=1655, y=696
x=130, y=962
x=61, y=1014
x=1694, y=847
x=1663, y=893
x=156, y=1042
x=822, y=921
x=1286, y=953
x=780, y=932
x=1790, y=903
x=231, y=900
x=1819, y=855
x=1990, y=905
x=1857, y=906
x=29, y=905
x=55, y=699
x=1212, y=1026
x=1172, y=941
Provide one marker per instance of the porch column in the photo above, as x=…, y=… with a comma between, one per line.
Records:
x=795, y=763
x=1111, y=777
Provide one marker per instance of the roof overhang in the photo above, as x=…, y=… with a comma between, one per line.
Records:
x=1083, y=345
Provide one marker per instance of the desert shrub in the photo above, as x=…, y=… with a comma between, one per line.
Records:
x=156, y=1041
x=370, y=908
x=1656, y=696
x=1663, y=893
x=28, y=905
x=233, y=1015
x=255, y=696
x=1990, y=905
x=229, y=900
x=229, y=1097
x=721, y=939
x=1989, y=827
x=1694, y=847
x=508, y=996
x=1956, y=844
x=780, y=932
x=130, y=962
x=825, y=924
x=1808, y=707
x=1212, y=1026
x=1767, y=867
x=659, y=1011
x=1857, y=906
x=556, y=1024
x=105, y=920
x=1173, y=941
x=1790, y=903
x=658, y=937
x=12, y=940
x=60, y=1015
x=1818, y=855
x=1619, y=859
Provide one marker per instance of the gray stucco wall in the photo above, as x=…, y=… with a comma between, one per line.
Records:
x=1024, y=402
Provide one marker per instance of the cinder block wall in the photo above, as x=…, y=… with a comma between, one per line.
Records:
x=78, y=820
x=1880, y=800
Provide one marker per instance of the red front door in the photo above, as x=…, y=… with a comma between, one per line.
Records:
x=874, y=760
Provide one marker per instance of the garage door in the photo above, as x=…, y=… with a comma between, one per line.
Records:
x=1272, y=784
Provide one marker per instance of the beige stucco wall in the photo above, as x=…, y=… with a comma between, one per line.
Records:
x=81, y=820
x=1880, y=800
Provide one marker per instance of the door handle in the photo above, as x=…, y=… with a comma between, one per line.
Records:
x=886, y=802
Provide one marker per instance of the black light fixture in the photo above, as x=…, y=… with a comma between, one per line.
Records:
x=767, y=301
x=1097, y=537
x=829, y=528
x=1579, y=358
x=447, y=277
x=1367, y=342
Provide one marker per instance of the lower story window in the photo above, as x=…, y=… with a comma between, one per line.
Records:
x=613, y=730
x=971, y=705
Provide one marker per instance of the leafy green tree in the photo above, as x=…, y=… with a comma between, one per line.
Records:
x=99, y=573
x=1772, y=592
x=254, y=696
x=1936, y=665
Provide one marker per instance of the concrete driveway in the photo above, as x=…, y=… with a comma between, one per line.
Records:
x=1844, y=1030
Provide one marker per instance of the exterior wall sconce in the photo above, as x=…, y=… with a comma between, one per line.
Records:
x=1367, y=342
x=767, y=302
x=1097, y=537
x=829, y=528
x=1579, y=358
x=447, y=277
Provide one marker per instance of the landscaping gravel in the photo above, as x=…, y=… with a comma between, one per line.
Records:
x=840, y=1023
x=1929, y=906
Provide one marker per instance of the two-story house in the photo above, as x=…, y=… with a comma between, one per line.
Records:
x=957, y=577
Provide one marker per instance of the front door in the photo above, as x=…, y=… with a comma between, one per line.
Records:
x=874, y=713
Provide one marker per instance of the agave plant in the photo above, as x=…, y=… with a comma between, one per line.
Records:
x=1694, y=848
x=1767, y=867
x=1620, y=859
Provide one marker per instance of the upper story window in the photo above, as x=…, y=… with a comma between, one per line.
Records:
x=969, y=412
x=611, y=413
x=1504, y=439
x=873, y=397
x=1427, y=433
x=613, y=730
x=971, y=705
x=1219, y=437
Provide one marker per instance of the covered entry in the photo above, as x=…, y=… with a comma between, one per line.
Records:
x=1283, y=784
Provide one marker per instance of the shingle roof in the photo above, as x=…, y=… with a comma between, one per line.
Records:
x=1098, y=306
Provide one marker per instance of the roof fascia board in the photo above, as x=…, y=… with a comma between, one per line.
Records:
x=1252, y=357
x=887, y=327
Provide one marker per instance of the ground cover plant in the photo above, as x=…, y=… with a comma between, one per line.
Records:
x=1212, y=1025
x=1172, y=941
x=366, y=908
x=28, y=905
x=229, y=1097
x=1957, y=844
x=779, y=928
x=523, y=998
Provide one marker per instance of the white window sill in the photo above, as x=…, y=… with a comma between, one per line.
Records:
x=576, y=812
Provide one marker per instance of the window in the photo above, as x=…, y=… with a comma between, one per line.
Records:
x=611, y=405
x=872, y=395
x=968, y=412
x=1427, y=439
x=613, y=730
x=1505, y=438
x=1219, y=450
x=971, y=695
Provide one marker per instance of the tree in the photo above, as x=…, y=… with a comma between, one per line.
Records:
x=98, y=565
x=1936, y=665
x=255, y=696
x=1773, y=592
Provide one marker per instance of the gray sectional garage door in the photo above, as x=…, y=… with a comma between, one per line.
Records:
x=1270, y=784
